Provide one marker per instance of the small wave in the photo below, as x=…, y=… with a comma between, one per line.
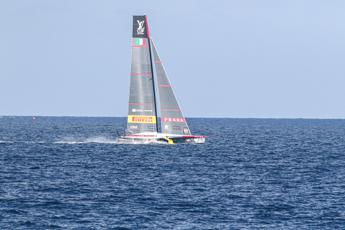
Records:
x=22, y=142
x=96, y=140
x=6, y=142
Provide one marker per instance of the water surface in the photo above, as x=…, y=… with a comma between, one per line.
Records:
x=69, y=173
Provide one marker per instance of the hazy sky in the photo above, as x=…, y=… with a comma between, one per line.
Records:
x=243, y=58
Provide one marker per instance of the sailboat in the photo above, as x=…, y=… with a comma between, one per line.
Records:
x=142, y=121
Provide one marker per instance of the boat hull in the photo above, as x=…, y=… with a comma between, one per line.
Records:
x=129, y=140
x=159, y=139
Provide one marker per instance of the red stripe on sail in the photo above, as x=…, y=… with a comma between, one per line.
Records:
x=140, y=103
x=164, y=86
x=143, y=46
x=147, y=27
x=145, y=74
x=176, y=110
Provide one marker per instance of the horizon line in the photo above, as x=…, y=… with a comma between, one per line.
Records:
x=193, y=117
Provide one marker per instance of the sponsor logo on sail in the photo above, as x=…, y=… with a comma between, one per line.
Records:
x=141, y=27
x=173, y=119
x=141, y=110
x=142, y=119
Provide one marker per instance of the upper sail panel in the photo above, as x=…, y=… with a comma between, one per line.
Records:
x=141, y=108
x=172, y=120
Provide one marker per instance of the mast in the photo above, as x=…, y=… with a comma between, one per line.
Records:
x=153, y=77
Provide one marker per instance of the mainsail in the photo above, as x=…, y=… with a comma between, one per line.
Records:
x=172, y=120
x=142, y=114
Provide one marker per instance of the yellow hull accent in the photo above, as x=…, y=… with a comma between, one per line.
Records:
x=141, y=119
x=170, y=141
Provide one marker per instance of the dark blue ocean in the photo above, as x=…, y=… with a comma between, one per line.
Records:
x=69, y=173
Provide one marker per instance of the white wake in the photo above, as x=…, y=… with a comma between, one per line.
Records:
x=5, y=142
x=90, y=140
